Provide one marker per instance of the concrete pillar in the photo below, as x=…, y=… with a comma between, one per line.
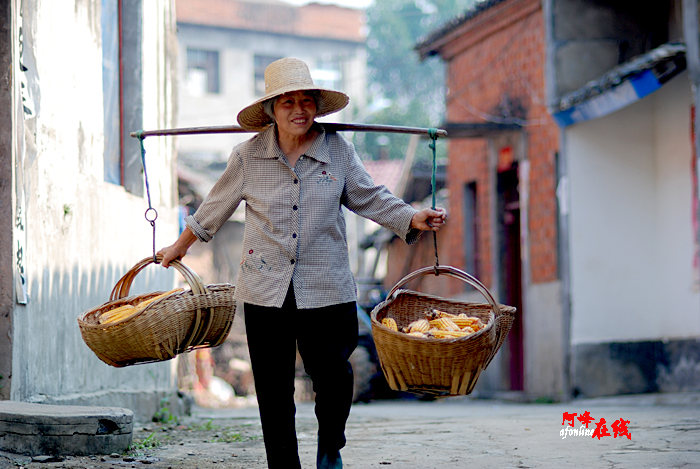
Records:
x=6, y=187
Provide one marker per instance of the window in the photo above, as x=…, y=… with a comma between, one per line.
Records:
x=260, y=63
x=122, y=83
x=202, y=72
x=327, y=73
x=111, y=91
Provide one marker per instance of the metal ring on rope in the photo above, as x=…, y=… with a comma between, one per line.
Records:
x=154, y=216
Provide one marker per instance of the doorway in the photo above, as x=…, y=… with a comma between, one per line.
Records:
x=510, y=268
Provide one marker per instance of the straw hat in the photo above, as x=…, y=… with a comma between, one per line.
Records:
x=284, y=76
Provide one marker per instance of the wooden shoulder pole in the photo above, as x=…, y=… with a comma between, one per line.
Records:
x=331, y=127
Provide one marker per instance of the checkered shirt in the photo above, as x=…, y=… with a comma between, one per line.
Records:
x=295, y=227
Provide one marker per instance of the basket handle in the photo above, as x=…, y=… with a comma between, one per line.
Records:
x=122, y=287
x=450, y=272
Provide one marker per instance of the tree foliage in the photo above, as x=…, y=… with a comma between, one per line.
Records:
x=412, y=92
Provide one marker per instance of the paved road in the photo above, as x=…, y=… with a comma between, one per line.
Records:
x=448, y=433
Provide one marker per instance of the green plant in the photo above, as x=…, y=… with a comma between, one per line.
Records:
x=229, y=437
x=149, y=442
x=208, y=426
x=163, y=414
x=67, y=210
x=544, y=400
x=232, y=436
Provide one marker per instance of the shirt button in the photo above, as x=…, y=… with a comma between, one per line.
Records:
x=294, y=208
x=294, y=235
x=296, y=181
x=292, y=261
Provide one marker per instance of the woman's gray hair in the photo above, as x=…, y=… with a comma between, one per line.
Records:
x=269, y=105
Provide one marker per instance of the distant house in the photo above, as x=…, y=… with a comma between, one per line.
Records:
x=573, y=182
x=72, y=193
x=225, y=46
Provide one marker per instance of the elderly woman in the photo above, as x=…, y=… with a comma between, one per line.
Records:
x=295, y=279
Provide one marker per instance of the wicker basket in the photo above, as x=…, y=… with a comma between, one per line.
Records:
x=437, y=366
x=179, y=322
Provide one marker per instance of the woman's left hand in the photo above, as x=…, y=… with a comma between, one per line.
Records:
x=429, y=219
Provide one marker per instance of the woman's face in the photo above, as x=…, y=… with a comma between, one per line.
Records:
x=294, y=113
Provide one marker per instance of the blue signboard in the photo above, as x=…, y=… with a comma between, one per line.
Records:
x=630, y=90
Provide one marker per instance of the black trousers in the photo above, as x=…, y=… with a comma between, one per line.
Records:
x=325, y=337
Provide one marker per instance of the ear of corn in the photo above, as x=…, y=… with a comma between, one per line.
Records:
x=439, y=325
x=390, y=323
x=116, y=314
x=124, y=311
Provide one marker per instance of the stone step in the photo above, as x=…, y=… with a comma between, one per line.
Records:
x=41, y=429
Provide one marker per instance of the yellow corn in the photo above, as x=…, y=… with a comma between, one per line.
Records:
x=116, y=314
x=390, y=323
x=123, y=311
x=421, y=325
x=468, y=321
x=438, y=334
x=444, y=324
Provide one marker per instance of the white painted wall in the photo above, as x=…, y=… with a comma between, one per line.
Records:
x=630, y=222
x=84, y=233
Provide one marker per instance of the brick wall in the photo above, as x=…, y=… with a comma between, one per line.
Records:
x=312, y=20
x=495, y=55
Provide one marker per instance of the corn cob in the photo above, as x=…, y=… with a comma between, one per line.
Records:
x=390, y=323
x=421, y=325
x=444, y=324
x=438, y=334
x=116, y=314
x=463, y=322
x=123, y=311
x=142, y=305
x=433, y=313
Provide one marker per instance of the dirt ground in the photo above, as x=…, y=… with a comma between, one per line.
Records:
x=453, y=433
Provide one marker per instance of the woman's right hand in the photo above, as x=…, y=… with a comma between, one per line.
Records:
x=171, y=253
x=178, y=249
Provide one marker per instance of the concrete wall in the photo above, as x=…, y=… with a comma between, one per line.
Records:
x=634, y=283
x=6, y=198
x=236, y=51
x=588, y=38
x=631, y=240
x=84, y=233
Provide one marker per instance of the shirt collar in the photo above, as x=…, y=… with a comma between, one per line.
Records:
x=269, y=147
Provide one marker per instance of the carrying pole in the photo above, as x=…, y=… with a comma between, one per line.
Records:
x=330, y=127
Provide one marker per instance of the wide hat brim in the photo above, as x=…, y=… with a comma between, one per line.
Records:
x=286, y=76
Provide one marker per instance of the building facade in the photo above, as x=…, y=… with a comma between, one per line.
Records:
x=225, y=46
x=574, y=192
x=620, y=85
x=72, y=189
x=503, y=155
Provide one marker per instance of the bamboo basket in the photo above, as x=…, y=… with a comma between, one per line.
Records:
x=177, y=323
x=437, y=366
